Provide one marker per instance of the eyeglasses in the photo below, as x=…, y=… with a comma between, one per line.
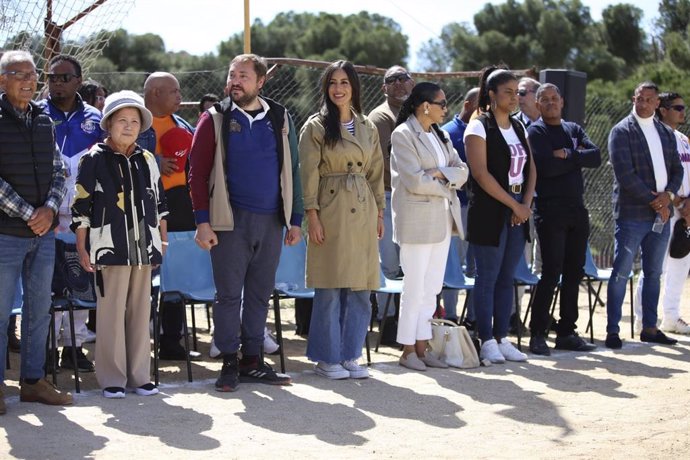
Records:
x=22, y=76
x=399, y=78
x=63, y=77
x=524, y=92
x=677, y=107
x=443, y=104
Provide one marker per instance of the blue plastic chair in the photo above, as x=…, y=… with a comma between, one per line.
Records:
x=289, y=284
x=454, y=276
x=594, y=274
x=523, y=277
x=186, y=276
x=63, y=302
x=390, y=287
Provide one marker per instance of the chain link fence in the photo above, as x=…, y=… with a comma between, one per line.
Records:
x=296, y=85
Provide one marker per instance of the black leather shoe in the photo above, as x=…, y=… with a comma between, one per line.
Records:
x=658, y=337
x=538, y=346
x=613, y=341
x=83, y=362
x=573, y=342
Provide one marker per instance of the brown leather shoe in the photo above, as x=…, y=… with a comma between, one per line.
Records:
x=3, y=408
x=44, y=392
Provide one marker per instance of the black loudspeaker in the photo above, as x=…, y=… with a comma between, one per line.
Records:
x=573, y=87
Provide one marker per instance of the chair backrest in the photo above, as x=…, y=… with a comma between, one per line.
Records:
x=290, y=272
x=187, y=269
x=590, y=267
x=523, y=275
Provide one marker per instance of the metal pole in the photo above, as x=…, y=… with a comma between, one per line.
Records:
x=247, y=29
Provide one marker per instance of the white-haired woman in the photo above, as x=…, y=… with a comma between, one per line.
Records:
x=118, y=207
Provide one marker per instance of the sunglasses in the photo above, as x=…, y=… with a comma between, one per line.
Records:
x=677, y=107
x=63, y=77
x=524, y=92
x=22, y=76
x=399, y=78
x=443, y=104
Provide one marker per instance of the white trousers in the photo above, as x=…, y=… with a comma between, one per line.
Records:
x=424, y=266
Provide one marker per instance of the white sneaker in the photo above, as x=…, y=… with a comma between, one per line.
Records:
x=678, y=326
x=509, y=352
x=148, y=389
x=356, y=371
x=331, y=371
x=213, y=352
x=491, y=352
x=270, y=344
x=114, y=393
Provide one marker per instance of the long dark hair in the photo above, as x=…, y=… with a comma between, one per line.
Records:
x=329, y=113
x=492, y=77
x=421, y=93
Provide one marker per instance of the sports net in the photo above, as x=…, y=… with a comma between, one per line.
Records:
x=80, y=28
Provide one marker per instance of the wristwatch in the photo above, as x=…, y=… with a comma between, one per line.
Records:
x=671, y=195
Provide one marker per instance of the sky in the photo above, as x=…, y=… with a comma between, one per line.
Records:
x=198, y=26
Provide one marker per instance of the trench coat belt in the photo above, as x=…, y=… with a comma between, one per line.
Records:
x=354, y=180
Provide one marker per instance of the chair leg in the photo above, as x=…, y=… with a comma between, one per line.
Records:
x=517, y=315
x=461, y=318
x=389, y=297
x=70, y=311
x=632, y=310
x=156, y=339
x=194, y=342
x=186, y=340
x=53, y=342
x=591, y=306
x=551, y=311
x=208, y=316
x=366, y=343
x=279, y=330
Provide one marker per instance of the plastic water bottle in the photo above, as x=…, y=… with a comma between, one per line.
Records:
x=658, y=226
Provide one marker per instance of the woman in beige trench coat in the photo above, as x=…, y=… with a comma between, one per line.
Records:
x=342, y=182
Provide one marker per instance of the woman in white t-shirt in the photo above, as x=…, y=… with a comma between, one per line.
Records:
x=426, y=171
x=501, y=189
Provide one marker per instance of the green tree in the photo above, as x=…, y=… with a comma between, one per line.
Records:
x=624, y=36
x=362, y=38
x=674, y=16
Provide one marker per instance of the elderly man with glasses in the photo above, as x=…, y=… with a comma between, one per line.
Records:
x=527, y=99
x=32, y=186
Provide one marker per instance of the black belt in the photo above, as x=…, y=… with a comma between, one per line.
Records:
x=515, y=189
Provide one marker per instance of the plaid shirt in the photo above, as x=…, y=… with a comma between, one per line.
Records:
x=633, y=169
x=15, y=206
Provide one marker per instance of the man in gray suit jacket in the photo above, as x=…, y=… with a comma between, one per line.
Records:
x=647, y=175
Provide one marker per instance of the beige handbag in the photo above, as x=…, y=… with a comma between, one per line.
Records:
x=453, y=344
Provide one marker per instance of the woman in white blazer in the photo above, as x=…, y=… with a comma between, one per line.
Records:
x=425, y=173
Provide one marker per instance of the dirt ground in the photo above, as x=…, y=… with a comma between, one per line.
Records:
x=631, y=403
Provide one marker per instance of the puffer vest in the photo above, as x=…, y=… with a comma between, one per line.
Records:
x=26, y=162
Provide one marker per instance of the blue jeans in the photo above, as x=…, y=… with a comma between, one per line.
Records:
x=32, y=259
x=631, y=235
x=389, y=254
x=493, y=285
x=339, y=322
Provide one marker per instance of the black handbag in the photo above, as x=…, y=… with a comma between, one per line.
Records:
x=680, y=240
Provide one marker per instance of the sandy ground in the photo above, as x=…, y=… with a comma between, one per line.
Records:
x=631, y=403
